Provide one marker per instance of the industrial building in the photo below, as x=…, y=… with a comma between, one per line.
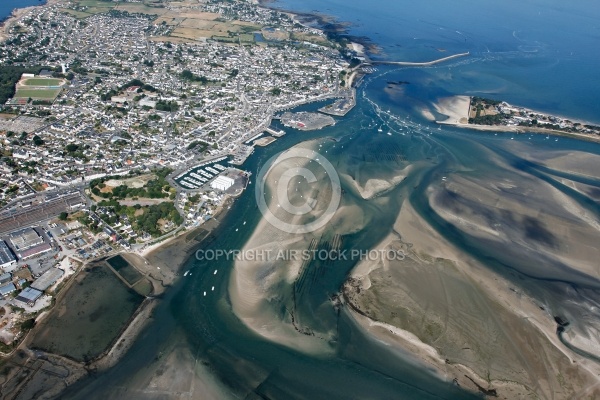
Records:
x=28, y=243
x=47, y=279
x=7, y=258
x=29, y=296
x=7, y=289
x=34, y=251
x=5, y=277
x=222, y=183
x=25, y=239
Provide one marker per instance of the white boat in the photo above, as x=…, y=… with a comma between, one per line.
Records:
x=189, y=184
x=195, y=182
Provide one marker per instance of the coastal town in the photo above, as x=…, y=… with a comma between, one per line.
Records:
x=134, y=140
x=125, y=124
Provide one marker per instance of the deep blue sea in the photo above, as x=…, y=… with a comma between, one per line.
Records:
x=537, y=54
x=7, y=6
x=541, y=54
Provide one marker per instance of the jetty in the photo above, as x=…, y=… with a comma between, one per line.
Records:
x=420, y=64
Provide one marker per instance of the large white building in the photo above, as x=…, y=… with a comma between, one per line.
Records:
x=222, y=183
x=7, y=258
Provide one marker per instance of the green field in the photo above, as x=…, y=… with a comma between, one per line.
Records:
x=96, y=3
x=46, y=94
x=75, y=13
x=42, y=82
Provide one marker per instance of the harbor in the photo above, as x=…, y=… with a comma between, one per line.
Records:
x=306, y=121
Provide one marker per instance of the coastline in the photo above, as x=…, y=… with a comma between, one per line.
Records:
x=509, y=311
x=456, y=108
x=18, y=13
x=162, y=263
x=331, y=28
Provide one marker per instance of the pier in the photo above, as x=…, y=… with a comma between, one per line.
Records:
x=420, y=64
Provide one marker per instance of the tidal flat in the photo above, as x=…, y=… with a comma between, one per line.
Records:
x=85, y=323
x=488, y=248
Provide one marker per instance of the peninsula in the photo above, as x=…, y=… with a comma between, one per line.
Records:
x=495, y=115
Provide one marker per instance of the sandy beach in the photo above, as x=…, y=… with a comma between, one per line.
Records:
x=456, y=108
x=254, y=283
x=373, y=186
x=457, y=291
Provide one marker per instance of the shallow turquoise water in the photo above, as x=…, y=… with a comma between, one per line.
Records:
x=541, y=57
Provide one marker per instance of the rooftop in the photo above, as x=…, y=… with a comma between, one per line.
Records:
x=25, y=239
x=6, y=289
x=47, y=279
x=29, y=295
x=6, y=255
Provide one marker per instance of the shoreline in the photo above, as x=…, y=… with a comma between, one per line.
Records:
x=18, y=13
x=331, y=28
x=170, y=255
x=177, y=250
x=524, y=130
x=450, y=107
x=515, y=311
